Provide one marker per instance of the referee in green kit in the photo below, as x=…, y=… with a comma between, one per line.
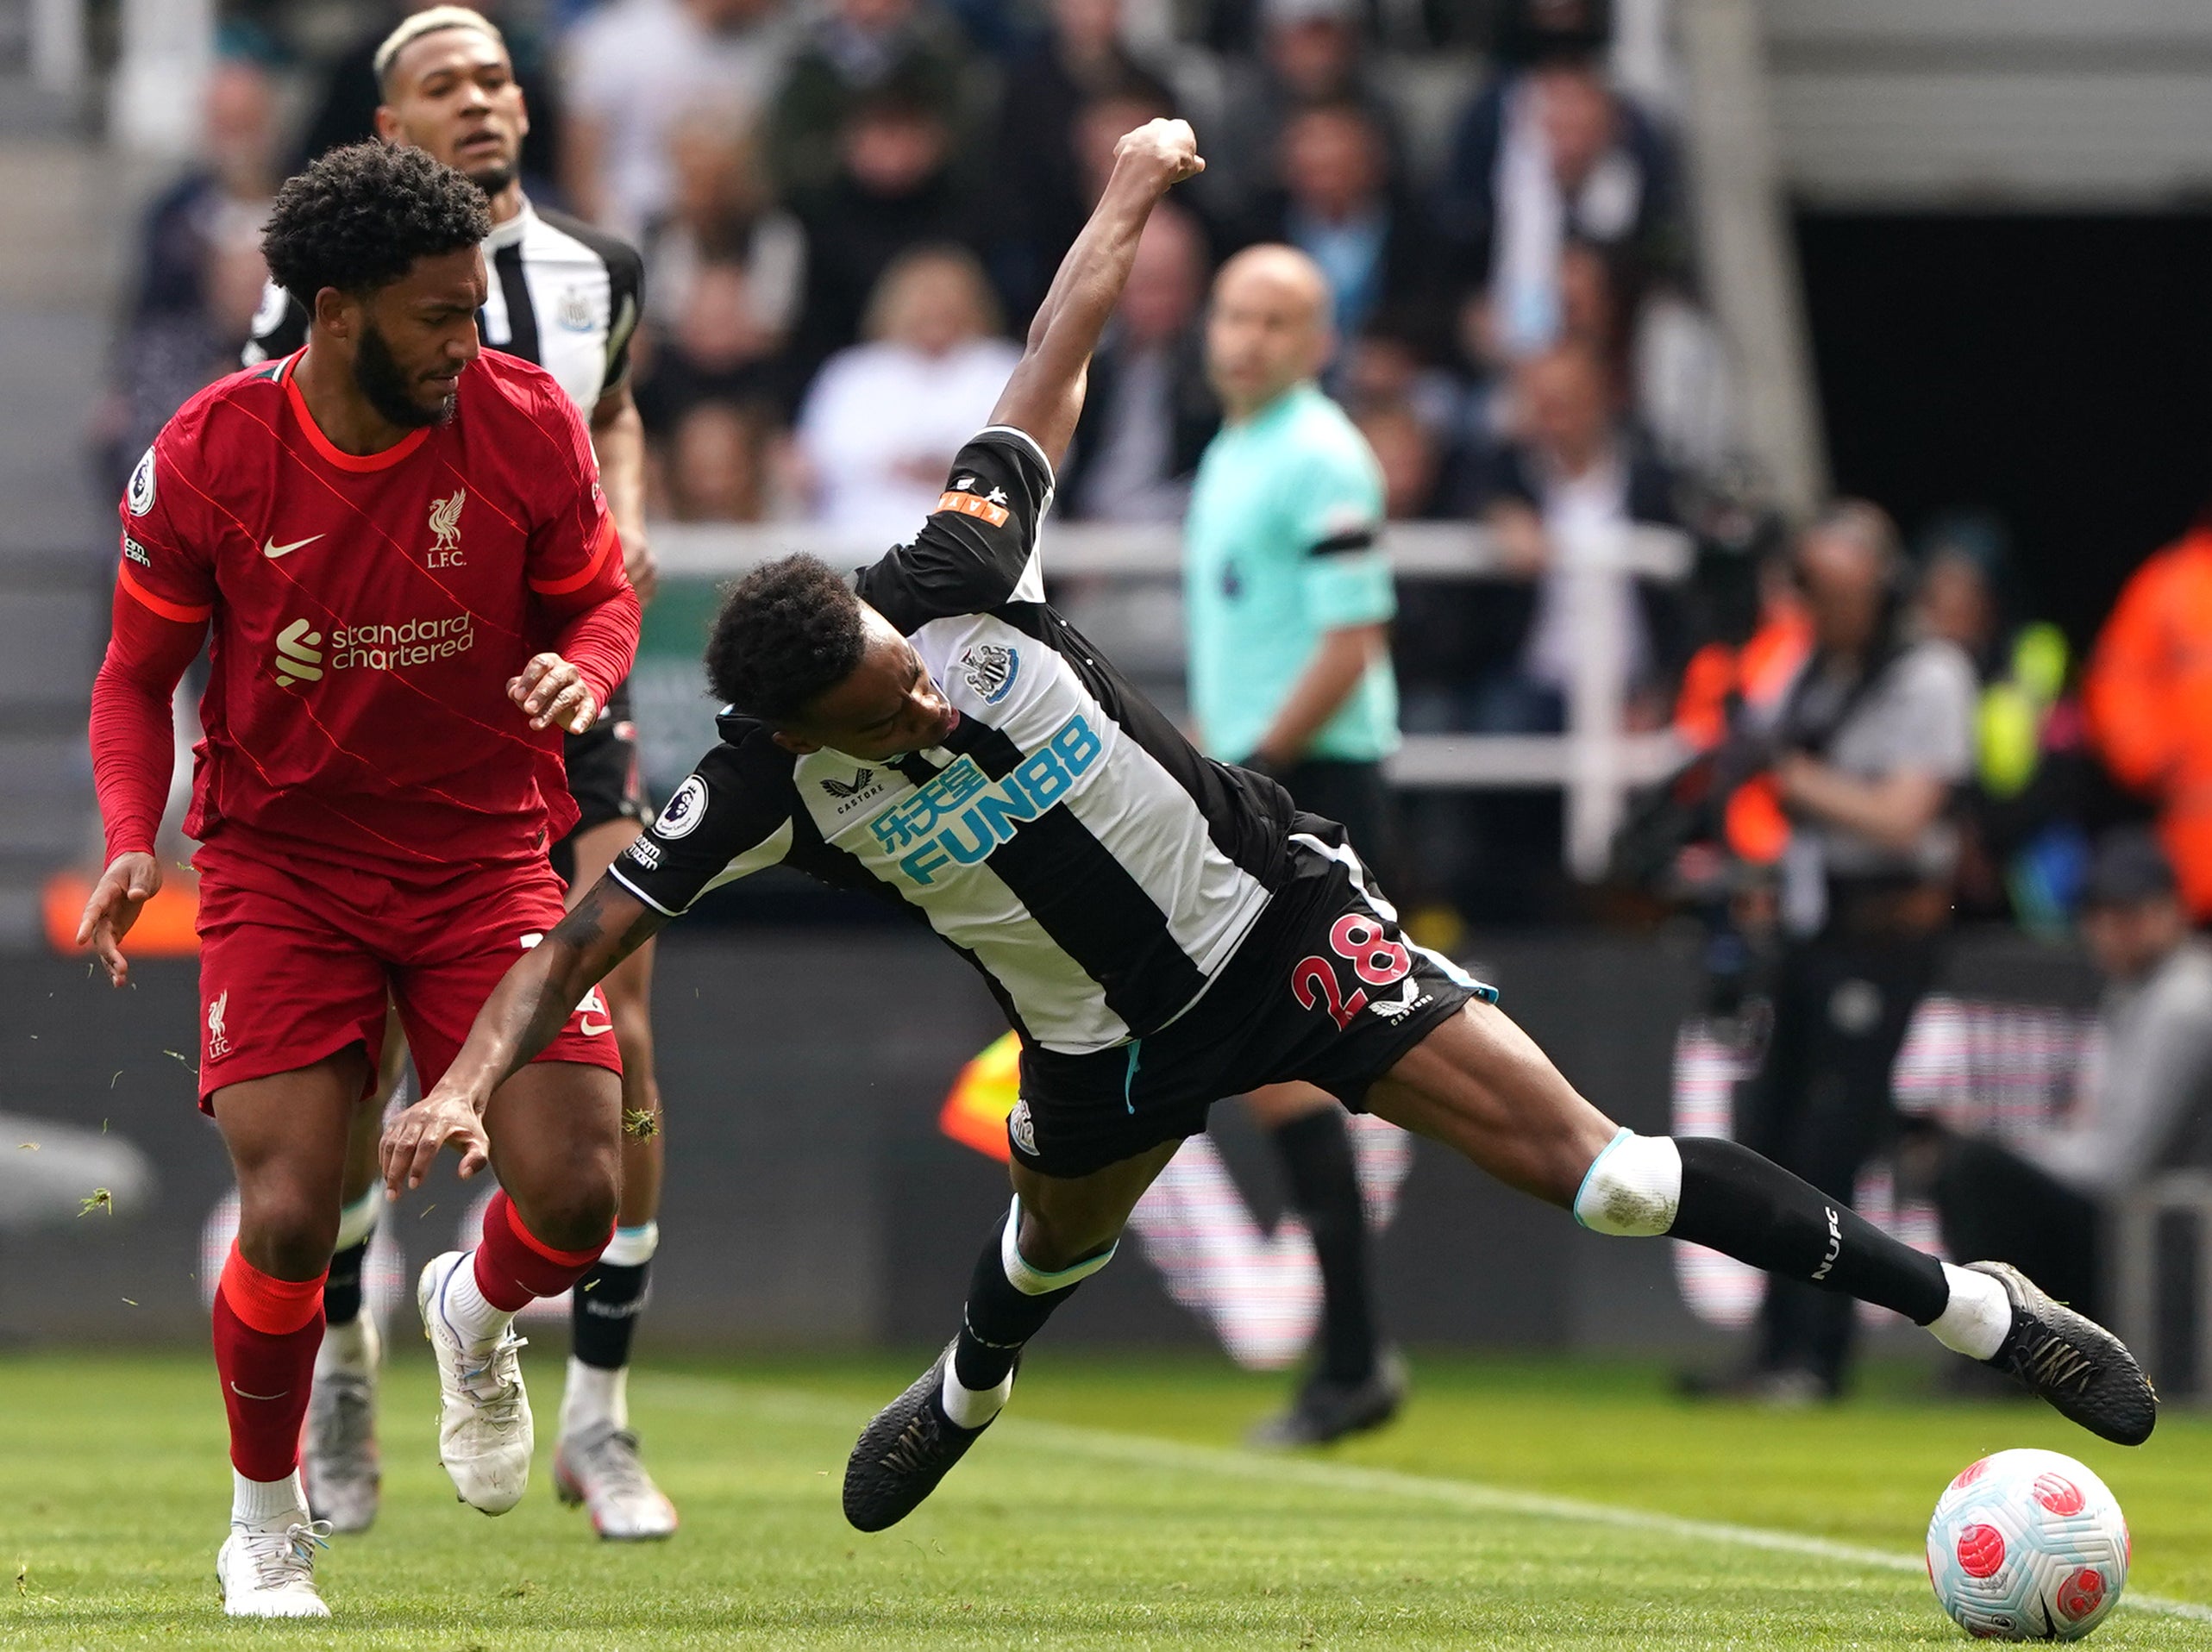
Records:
x=1289, y=602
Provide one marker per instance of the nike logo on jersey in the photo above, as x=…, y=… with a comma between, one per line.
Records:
x=270, y=549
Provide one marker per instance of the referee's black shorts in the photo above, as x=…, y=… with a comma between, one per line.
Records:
x=603, y=777
x=1325, y=989
x=1357, y=796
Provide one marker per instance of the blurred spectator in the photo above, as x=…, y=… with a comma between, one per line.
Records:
x=635, y=69
x=885, y=418
x=1101, y=123
x=2142, y=1105
x=1311, y=51
x=2148, y=693
x=1875, y=733
x=344, y=110
x=1041, y=192
x=729, y=271
x=856, y=51
x=717, y=464
x=1407, y=451
x=200, y=272
x=1664, y=348
x=1336, y=205
x=1541, y=157
x=1574, y=476
x=894, y=190
x=1149, y=411
x=2026, y=850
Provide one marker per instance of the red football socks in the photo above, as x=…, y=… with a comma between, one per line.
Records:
x=266, y=1334
x=513, y=1265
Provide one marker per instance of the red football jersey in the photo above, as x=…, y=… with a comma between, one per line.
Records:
x=366, y=613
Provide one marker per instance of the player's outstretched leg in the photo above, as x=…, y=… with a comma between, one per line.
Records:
x=1480, y=1084
x=1059, y=1232
x=286, y=1135
x=553, y=1133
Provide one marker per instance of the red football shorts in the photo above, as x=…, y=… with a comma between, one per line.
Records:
x=298, y=961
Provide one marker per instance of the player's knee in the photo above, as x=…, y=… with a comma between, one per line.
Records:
x=579, y=1217
x=1633, y=1188
x=1041, y=1256
x=286, y=1227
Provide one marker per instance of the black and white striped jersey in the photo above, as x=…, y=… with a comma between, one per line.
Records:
x=563, y=295
x=1066, y=839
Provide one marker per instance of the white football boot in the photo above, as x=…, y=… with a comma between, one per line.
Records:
x=269, y=1571
x=338, y=1455
x=485, y=1432
x=599, y=1468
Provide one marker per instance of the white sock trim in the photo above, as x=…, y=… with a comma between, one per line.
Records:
x=473, y=1319
x=263, y=1502
x=358, y=1220
x=632, y=1247
x=593, y=1398
x=1035, y=1282
x=1976, y=1319
x=1633, y=1188
x=971, y=1408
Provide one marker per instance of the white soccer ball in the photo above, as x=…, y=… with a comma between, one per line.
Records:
x=2027, y=1546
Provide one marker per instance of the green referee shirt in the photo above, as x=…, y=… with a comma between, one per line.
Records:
x=1280, y=547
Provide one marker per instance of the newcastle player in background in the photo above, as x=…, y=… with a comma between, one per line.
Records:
x=1161, y=929
x=565, y=296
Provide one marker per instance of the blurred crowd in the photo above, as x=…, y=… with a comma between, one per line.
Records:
x=849, y=207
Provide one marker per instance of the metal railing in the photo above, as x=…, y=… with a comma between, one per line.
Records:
x=1594, y=762
x=2178, y=1356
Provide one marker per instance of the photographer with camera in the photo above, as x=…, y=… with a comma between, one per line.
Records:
x=1865, y=747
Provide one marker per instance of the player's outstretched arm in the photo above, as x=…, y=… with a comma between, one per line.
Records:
x=520, y=1018
x=1044, y=396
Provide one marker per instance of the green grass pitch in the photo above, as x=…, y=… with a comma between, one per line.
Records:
x=1528, y=1503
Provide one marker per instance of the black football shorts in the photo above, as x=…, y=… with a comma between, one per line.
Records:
x=1326, y=989
x=603, y=776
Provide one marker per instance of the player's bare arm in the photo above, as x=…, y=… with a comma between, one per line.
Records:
x=521, y=1018
x=618, y=438
x=1044, y=396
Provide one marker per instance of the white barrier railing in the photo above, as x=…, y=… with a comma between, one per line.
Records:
x=1594, y=762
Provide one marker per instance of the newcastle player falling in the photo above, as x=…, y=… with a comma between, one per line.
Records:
x=1160, y=929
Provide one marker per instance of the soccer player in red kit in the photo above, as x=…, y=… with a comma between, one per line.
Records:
x=401, y=549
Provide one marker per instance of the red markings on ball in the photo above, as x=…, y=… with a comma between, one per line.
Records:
x=1970, y=1473
x=1980, y=1550
x=2082, y=1594
x=2058, y=1494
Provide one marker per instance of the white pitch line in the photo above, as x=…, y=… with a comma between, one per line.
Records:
x=1472, y=1497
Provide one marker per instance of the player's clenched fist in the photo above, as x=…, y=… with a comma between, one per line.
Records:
x=553, y=693
x=129, y=883
x=1169, y=147
x=413, y=1140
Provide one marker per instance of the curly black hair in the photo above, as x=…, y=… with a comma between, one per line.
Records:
x=357, y=219
x=788, y=630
